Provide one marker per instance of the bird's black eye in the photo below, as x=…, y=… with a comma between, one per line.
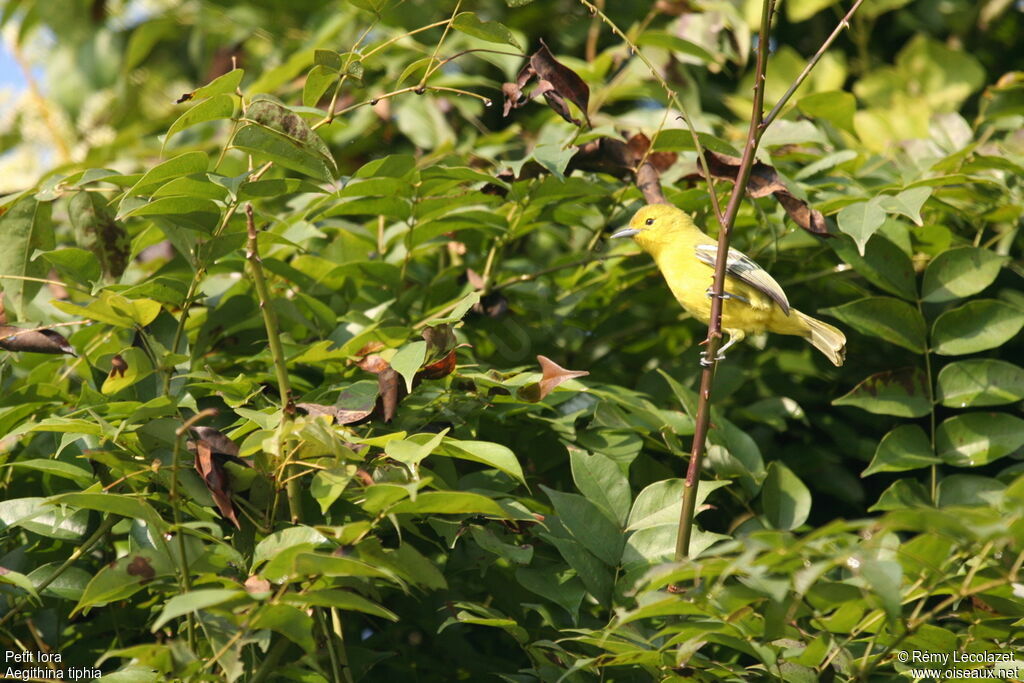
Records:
x=649, y=221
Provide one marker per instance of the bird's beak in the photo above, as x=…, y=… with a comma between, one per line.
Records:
x=625, y=232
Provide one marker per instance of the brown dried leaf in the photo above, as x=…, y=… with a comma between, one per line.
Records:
x=34, y=341
x=218, y=443
x=391, y=389
x=564, y=82
x=802, y=214
x=553, y=375
x=764, y=180
x=438, y=369
x=373, y=363
x=440, y=340
x=216, y=480
x=255, y=584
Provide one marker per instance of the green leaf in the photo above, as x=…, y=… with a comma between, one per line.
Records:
x=861, y=220
x=903, y=393
x=284, y=150
x=661, y=503
x=217, y=107
x=31, y=514
x=25, y=227
x=785, y=499
x=904, y=448
x=289, y=621
x=297, y=536
x=836, y=106
x=195, y=213
x=491, y=31
x=112, y=503
x=194, y=601
x=341, y=599
x=970, y=489
x=883, y=578
x=907, y=203
x=318, y=564
x=588, y=525
x=904, y=493
x=181, y=165
x=976, y=326
x=674, y=43
x=449, y=503
x=13, y=578
x=491, y=454
x=78, y=264
x=407, y=361
x=890, y=319
x=563, y=588
x=960, y=272
x=600, y=479
x=414, y=449
x=317, y=81
x=124, y=577
x=137, y=367
x=58, y=468
x=980, y=382
x=225, y=83
x=327, y=485
x=976, y=439
x=883, y=264
x=461, y=308
x=114, y=309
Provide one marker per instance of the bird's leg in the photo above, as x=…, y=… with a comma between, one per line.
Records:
x=734, y=336
x=727, y=295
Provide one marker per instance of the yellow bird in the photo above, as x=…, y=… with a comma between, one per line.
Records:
x=753, y=301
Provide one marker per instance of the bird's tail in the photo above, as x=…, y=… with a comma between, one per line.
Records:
x=827, y=339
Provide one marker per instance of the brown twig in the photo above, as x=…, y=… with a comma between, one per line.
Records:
x=703, y=416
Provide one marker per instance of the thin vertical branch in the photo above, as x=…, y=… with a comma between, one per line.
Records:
x=252, y=254
x=715, y=324
x=758, y=124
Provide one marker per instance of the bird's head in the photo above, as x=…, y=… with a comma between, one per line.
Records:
x=655, y=224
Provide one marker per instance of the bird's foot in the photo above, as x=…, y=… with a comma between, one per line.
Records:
x=726, y=295
x=705, y=363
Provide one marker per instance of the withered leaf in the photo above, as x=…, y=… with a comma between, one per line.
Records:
x=216, y=480
x=391, y=389
x=440, y=340
x=35, y=341
x=217, y=442
x=553, y=375
x=440, y=368
x=564, y=82
x=255, y=584
x=764, y=180
x=372, y=363
x=638, y=146
x=555, y=81
x=118, y=366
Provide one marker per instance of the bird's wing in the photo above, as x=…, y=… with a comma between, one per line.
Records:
x=742, y=268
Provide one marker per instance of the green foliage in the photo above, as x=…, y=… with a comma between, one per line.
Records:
x=315, y=444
